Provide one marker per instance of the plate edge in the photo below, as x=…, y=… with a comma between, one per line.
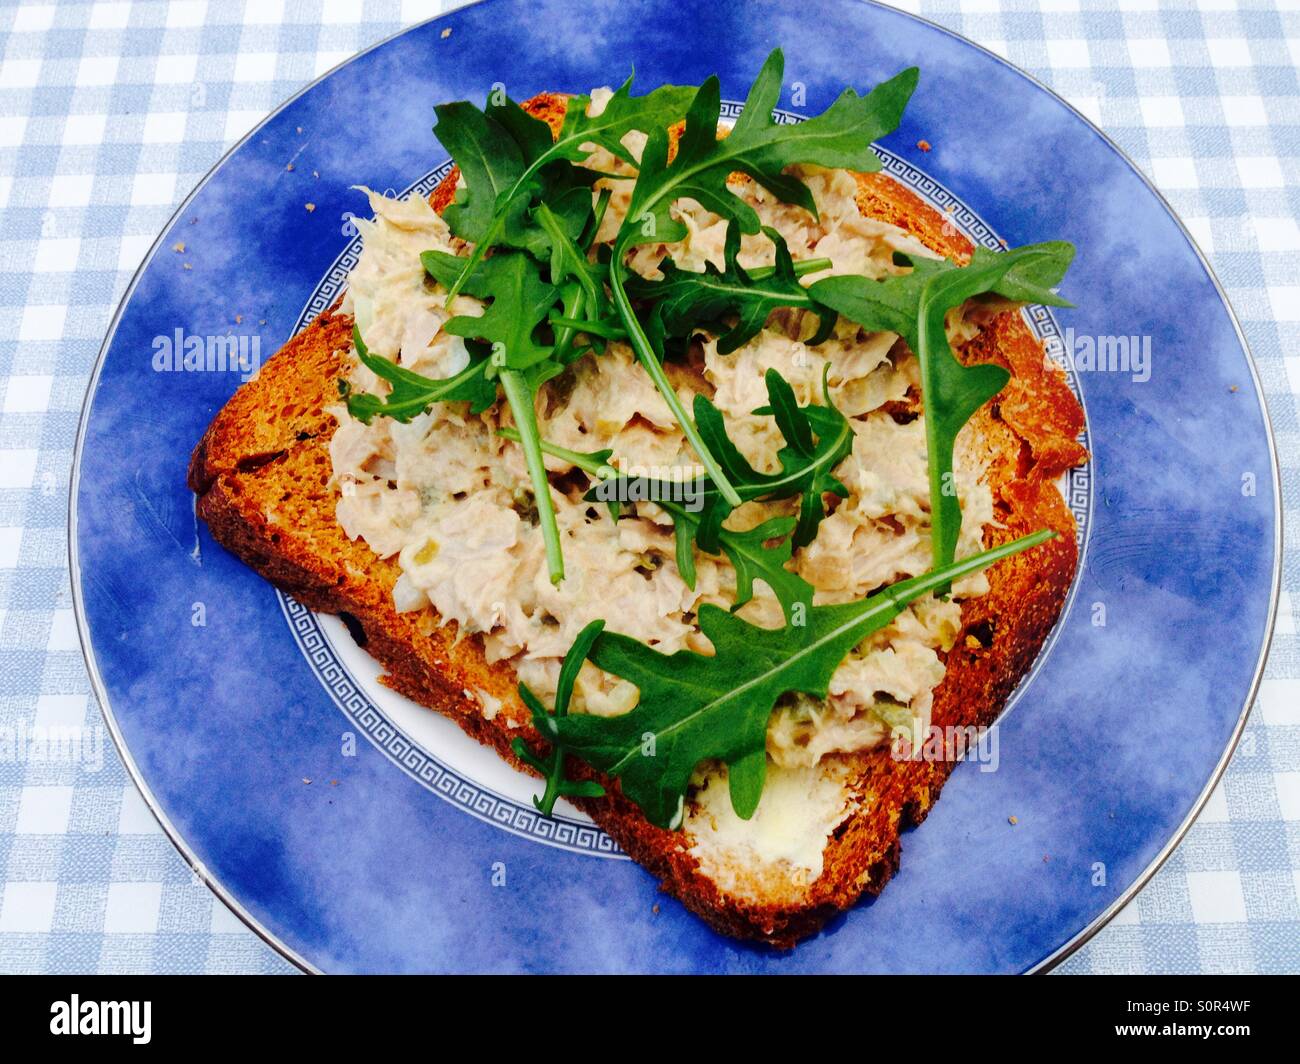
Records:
x=1046, y=964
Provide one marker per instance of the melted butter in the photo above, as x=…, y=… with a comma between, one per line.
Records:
x=799, y=810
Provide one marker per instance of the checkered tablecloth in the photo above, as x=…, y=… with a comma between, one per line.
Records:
x=111, y=112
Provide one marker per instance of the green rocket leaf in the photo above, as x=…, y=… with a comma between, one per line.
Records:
x=839, y=137
x=519, y=301
x=817, y=439
x=551, y=766
x=695, y=707
x=413, y=393
x=686, y=300
x=760, y=553
x=914, y=305
x=507, y=158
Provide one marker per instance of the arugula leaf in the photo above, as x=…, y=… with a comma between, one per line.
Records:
x=502, y=151
x=604, y=330
x=760, y=553
x=569, y=261
x=817, y=439
x=413, y=393
x=686, y=299
x=695, y=707
x=839, y=137
x=623, y=113
x=490, y=162
x=807, y=463
x=495, y=151
x=914, y=305
x=519, y=301
x=581, y=283
x=552, y=765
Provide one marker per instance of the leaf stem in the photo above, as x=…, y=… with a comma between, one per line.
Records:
x=650, y=361
x=568, y=327
x=591, y=328
x=520, y=398
x=476, y=254
x=546, y=804
x=562, y=248
x=586, y=462
x=802, y=268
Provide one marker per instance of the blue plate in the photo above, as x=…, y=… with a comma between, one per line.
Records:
x=411, y=849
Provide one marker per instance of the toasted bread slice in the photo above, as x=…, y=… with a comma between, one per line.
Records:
x=262, y=474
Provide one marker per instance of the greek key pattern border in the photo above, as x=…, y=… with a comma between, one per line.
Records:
x=418, y=763
x=336, y=277
x=497, y=809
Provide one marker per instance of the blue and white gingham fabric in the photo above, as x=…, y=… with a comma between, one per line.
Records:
x=111, y=112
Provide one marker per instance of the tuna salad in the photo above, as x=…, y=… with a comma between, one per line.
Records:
x=452, y=500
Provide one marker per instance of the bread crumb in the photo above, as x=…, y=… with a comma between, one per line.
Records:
x=446, y=33
x=298, y=129
x=186, y=266
x=305, y=779
x=289, y=167
x=334, y=783
x=655, y=908
x=973, y=644
x=1012, y=820
x=924, y=145
x=239, y=319
x=1233, y=388
x=310, y=207
x=179, y=248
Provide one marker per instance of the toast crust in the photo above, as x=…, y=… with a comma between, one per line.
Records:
x=262, y=475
